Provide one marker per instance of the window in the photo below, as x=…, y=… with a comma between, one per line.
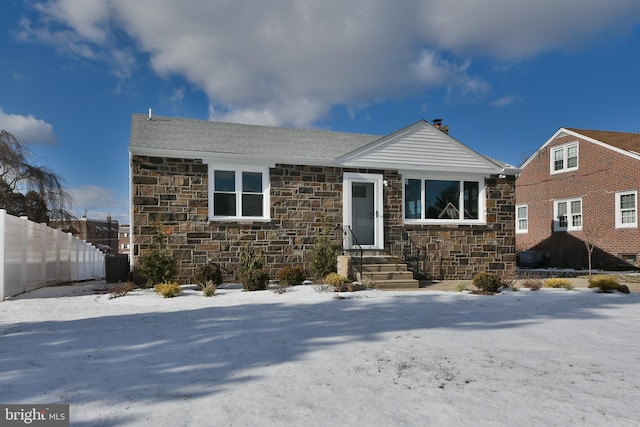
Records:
x=238, y=193
x=125, y=246
x=522, y=219
x=567, y=215
x=564, y=158
x=434, y=200
x=627, y=209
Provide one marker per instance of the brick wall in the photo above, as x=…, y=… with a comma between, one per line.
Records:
x=601, y=173
x=173, y=194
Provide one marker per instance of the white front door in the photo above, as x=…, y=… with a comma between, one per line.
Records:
x=363, y=210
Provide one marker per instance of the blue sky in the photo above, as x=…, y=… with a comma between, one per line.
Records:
x=503, y=75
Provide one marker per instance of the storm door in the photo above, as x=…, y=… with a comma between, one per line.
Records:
x=363, y=210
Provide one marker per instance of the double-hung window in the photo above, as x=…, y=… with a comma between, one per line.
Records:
x=564, y=158
x=627, y=209
x=442, y=201
x=238, y=193
x=522, y=219
x=567, y=215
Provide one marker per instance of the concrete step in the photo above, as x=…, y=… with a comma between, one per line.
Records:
x=372, y=268
x=397, y=284
x=377, y=276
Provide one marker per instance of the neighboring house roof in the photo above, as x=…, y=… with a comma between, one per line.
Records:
x=622, y=142
x=419, y=146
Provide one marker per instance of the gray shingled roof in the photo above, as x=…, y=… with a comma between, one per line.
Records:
x=169, y=133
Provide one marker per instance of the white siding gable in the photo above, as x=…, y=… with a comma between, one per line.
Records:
x=420, y=147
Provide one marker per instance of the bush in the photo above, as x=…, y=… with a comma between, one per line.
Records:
x=557, y=283
x=324, y=256
x=606, y=283
x=157, y=265
x=533, y=284
x=121, y=289
x=289, y=275
x=249, y=260
x=168, y=289
x=337, y=281
x=487, y=282
x=255, y=280
x=209, y=288
x=208, y=273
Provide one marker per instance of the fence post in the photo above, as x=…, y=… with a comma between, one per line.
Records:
x=24, y=228
x=43, y=253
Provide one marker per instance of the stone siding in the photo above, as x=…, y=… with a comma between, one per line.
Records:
x=305, y=201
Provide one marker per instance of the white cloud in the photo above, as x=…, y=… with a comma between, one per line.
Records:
x=505, y=101
x=27, y=128
x=98, y=202
x=292, y=61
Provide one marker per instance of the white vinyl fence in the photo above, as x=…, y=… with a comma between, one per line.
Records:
x=34, y=255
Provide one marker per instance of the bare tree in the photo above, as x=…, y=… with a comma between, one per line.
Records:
x=25, y=186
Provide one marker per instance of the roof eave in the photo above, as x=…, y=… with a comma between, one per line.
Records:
x=235, y=158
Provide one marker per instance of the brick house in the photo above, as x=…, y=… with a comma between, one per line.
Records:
x=581, y=186
x=417, y=194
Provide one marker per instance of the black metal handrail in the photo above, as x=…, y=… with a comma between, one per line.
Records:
x=350, y=245
x=401, y=243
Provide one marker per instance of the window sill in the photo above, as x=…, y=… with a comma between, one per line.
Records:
x=239, y=220
x=443, y=223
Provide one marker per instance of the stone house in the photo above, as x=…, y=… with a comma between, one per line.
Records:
x=581, y=187
x=416, y=196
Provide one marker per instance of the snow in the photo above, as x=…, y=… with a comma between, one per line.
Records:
x=388, y=358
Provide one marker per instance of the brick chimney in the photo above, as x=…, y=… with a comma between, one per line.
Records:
x=437, y=123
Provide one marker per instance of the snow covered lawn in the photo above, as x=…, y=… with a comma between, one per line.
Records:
x=546, y=358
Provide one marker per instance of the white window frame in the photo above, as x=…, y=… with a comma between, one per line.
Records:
x=238, y=169
x=564, y=149
x=571, y=216
x=461, y=179
x=620, y=210
x=522, y=220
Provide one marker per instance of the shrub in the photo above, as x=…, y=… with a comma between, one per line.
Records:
x=533, y=284
x=338, y=282
x=208, y=273
x=157, y=265
x=210, y=288
x=461, y=287
x=255, y=280
x=606, y=283
x=121, y=289
x=324, y=255
x=289, y=275
x=487, y=282
x=556, y=282
x=249, y=260
x=322, y=287
x=168, y=289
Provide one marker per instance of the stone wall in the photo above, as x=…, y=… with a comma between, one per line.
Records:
x=461, y=251
x=172, y=195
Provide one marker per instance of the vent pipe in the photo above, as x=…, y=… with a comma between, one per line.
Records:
x=150, y=114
